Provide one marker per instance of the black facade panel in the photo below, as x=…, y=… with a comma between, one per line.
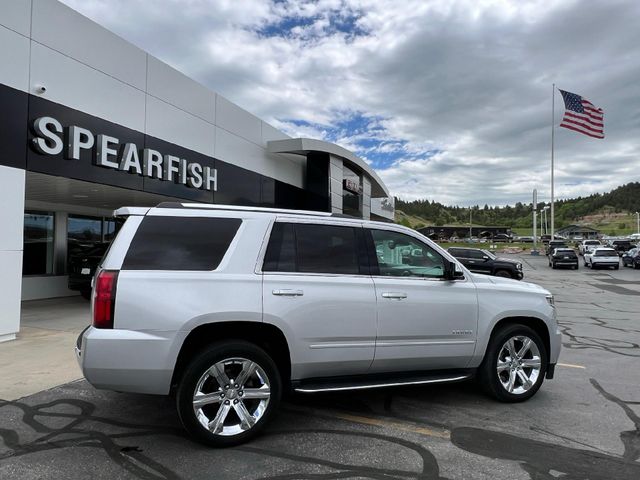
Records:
x=267, y=192
x=288, y=196
x=174, y=189
x=82, y=169
x=13, y=134
x=237, y=186
x=317, y=182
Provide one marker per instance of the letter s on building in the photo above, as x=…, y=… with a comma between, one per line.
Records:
x=46, y=128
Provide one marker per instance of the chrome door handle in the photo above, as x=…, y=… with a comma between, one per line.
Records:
x=288, y=292
x=398, y=295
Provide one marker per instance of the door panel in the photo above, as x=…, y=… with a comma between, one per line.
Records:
x=424, y=321
x=317, y=289
x=432, y=326
x=330, y=321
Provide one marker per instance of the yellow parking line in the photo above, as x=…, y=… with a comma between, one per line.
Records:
x=569, y=365
x=397, y=425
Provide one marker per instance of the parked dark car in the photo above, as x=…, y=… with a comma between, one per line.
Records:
x=563, y=257
x=553, y=244
x=631, y=258
x=82, y=266
x=621, y=246
x=483, y=261
x=501, y=237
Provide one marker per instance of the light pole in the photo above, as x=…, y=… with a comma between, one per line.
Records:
x=470, y=224
x=638, y=220
x=535, y=212
x=546, y=227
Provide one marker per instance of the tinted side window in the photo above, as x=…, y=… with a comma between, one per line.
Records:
x=281, y=250
x=180, y=243
x=401, y=255
x=327, y=249
x=456, y=252
x=309, y=248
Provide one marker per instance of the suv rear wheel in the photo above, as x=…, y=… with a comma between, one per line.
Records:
x=514, y=365
x=228, y=393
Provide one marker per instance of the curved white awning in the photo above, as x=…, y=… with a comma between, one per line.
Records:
x=302, y=146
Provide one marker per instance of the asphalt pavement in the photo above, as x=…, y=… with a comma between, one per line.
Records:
x=584, y=424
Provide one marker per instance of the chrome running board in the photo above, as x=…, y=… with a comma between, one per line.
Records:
x=355, y=383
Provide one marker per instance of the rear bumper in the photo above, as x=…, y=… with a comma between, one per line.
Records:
x=128, y=361
x=79, y=282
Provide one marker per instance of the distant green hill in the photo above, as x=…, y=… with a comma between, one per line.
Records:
x=611, y=212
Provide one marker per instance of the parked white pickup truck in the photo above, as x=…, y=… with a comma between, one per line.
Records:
x=602, y=257
x=587, y=245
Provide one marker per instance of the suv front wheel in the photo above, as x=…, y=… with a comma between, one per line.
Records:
x=228, y=393
x=514, y=365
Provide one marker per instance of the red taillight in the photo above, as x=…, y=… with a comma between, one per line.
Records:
x=104, y=298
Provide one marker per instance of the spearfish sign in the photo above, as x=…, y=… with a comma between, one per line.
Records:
x=110, y=154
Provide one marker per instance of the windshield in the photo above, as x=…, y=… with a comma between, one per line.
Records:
x=489, y=254
x=592, y=242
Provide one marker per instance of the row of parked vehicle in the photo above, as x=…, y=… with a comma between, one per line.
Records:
x=595, y=254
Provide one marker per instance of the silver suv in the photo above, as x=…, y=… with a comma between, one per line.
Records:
x=229, y=307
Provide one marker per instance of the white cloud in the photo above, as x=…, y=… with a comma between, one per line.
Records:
x=470, y=79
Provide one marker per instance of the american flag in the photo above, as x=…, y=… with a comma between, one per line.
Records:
x=582, y=116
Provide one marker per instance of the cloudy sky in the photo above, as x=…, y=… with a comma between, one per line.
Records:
x=448, y=100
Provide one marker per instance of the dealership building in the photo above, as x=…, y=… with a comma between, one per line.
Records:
x=90, y=123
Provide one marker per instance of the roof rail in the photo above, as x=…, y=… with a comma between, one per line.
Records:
x=239, y=208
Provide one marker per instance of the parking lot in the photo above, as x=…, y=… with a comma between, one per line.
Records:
x=584, y=424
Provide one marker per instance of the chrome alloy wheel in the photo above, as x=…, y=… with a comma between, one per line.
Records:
x=231, y=396
x=519, y=364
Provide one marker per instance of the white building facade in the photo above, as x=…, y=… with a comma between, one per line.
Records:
x=90, y=122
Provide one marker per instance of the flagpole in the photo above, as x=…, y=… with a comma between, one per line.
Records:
x=553, y=120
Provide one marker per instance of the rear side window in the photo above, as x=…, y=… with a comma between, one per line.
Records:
x=180, y=243
x=309, y=248
x=281, y=251
x=327, y=249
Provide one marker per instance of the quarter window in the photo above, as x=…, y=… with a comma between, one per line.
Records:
x=400, y=255
x=180, y=243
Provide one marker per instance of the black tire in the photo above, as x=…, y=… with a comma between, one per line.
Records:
x=503, y=274
x=86, y=293
x=617, y=267
x=487, y=372
x=198, y=368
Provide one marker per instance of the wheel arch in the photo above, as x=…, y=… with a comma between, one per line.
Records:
x=538, y=325
x=266, y=336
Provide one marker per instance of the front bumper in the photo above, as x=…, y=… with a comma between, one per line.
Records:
x=555, y=344
x=128, y=361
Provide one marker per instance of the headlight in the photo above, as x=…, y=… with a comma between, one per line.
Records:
x=551, y=301
x=519, y=266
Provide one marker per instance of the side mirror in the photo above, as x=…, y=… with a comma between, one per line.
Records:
x=453, y=271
